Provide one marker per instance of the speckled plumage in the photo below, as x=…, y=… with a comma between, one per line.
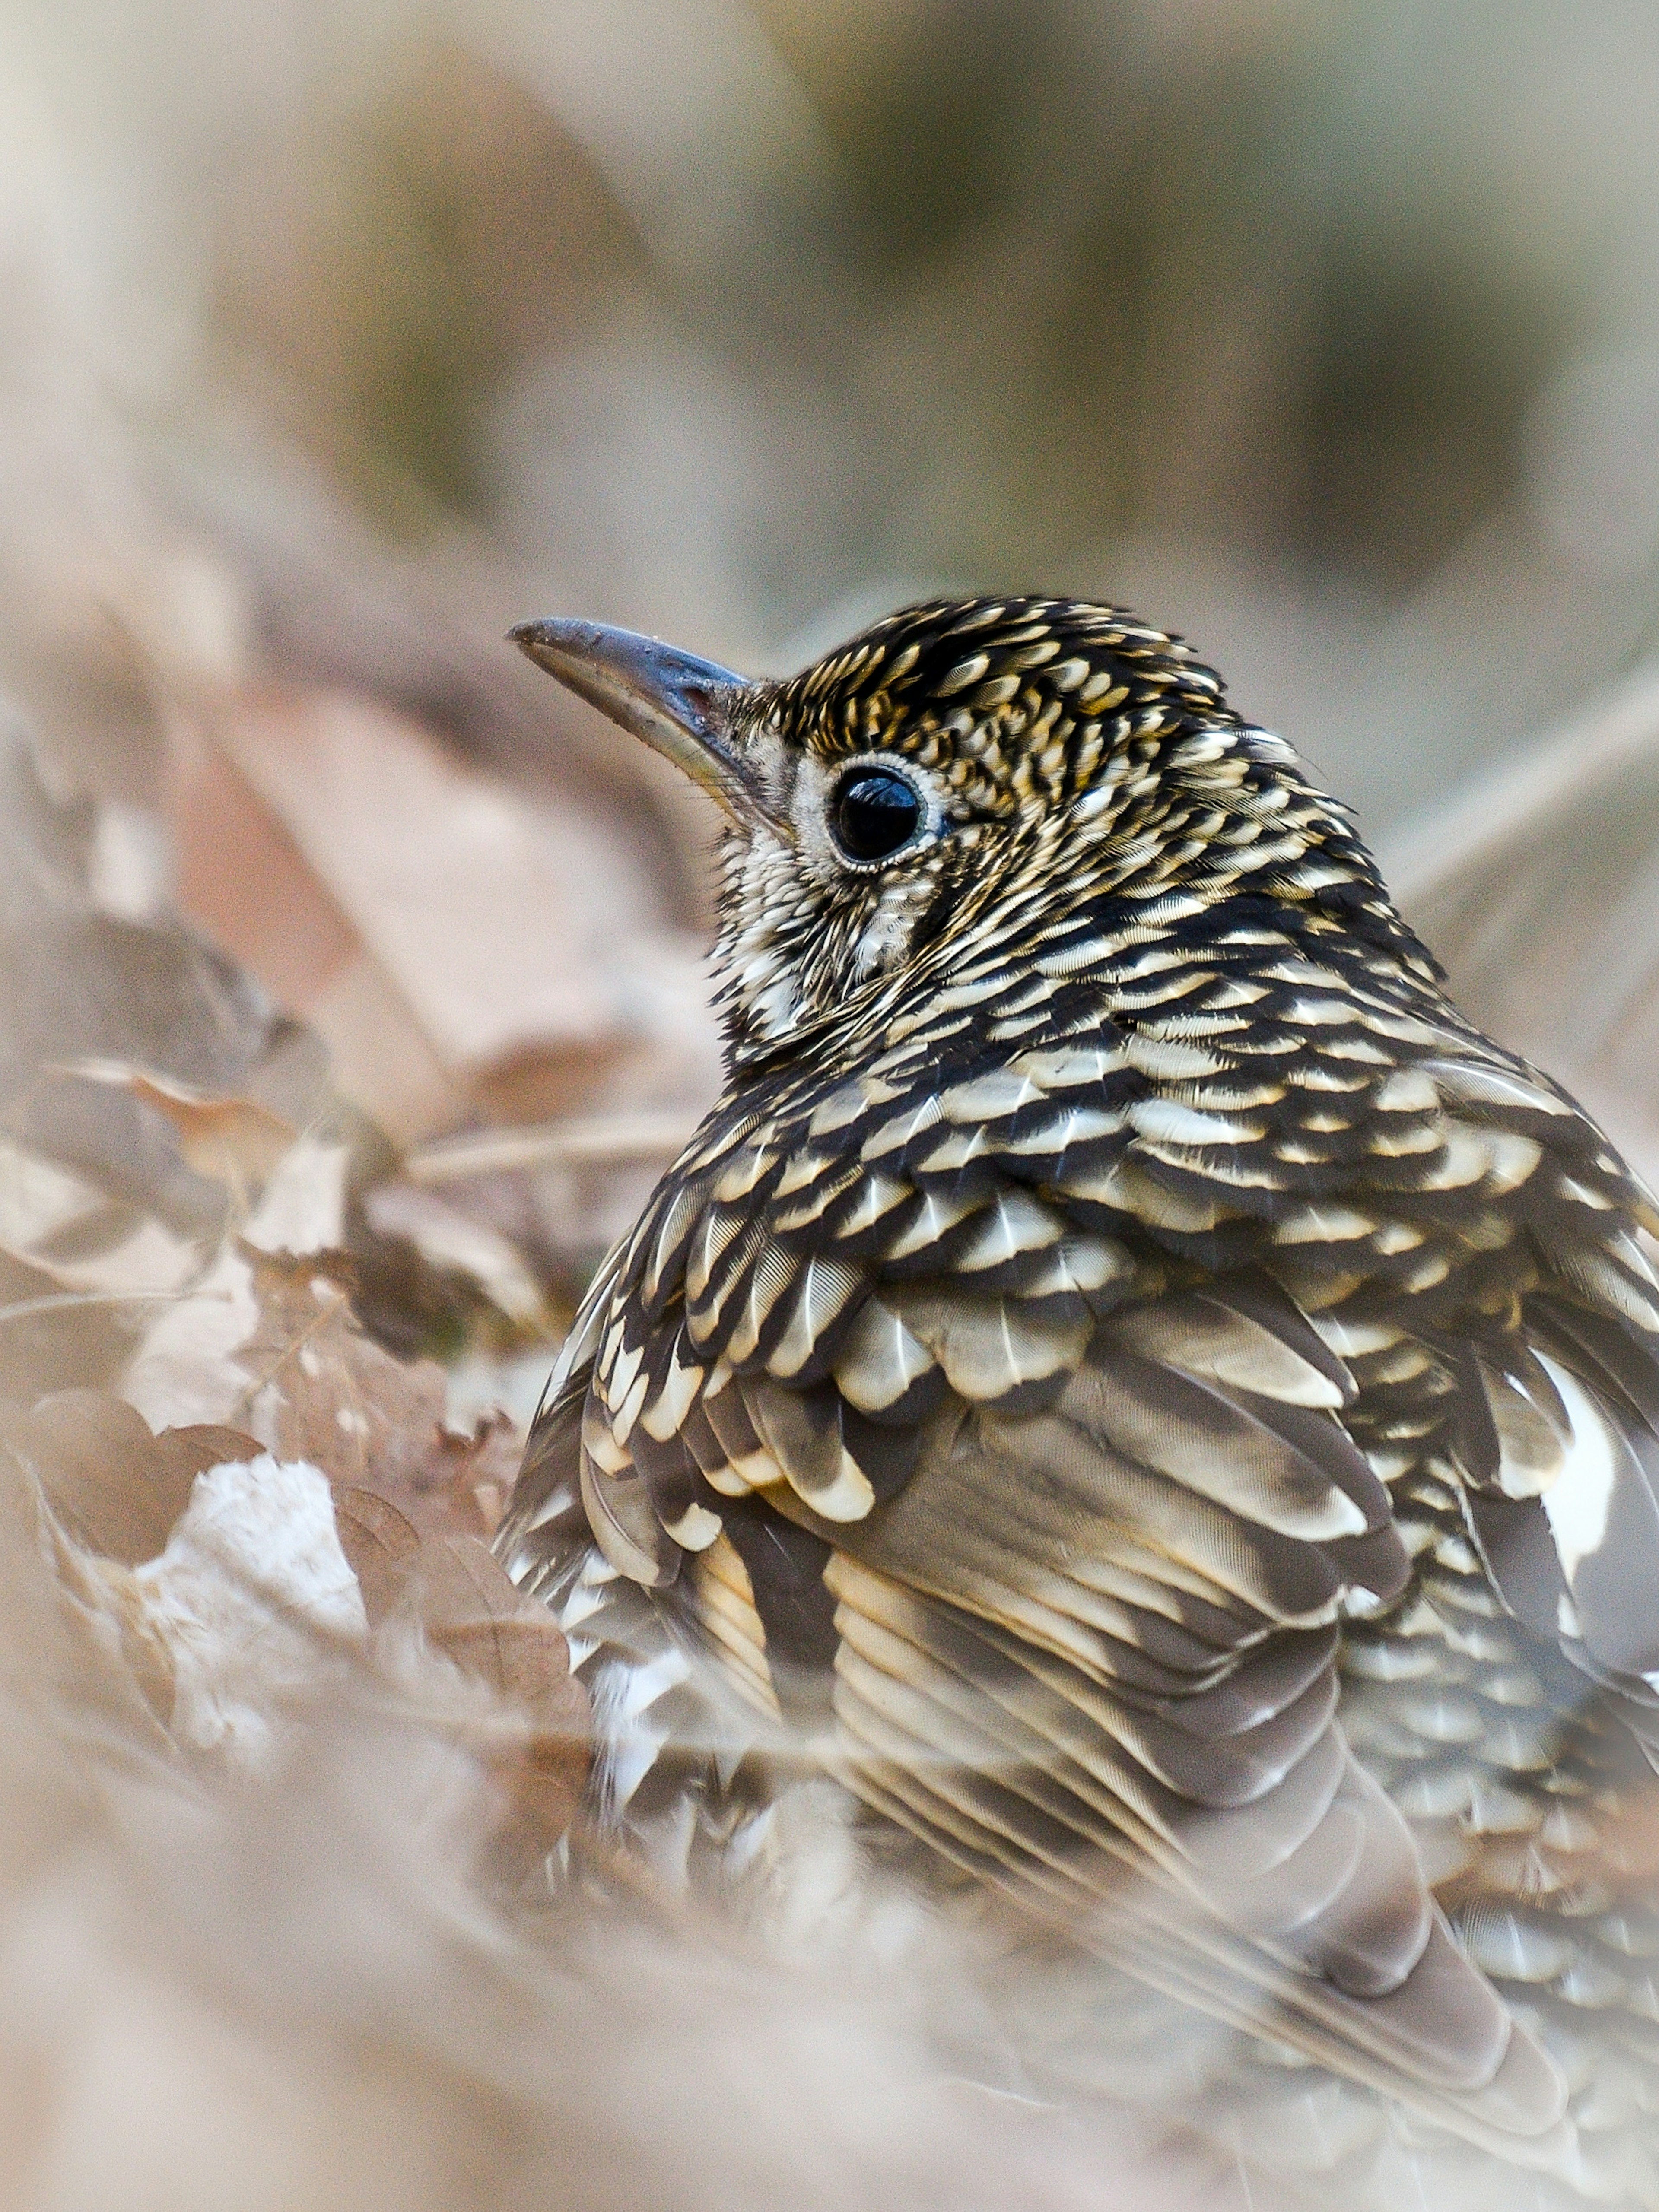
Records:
x=1134, y=1383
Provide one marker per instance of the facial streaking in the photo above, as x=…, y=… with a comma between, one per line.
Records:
x=1054, y=750
x=963, y=766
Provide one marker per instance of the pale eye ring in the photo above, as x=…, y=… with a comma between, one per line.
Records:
x=874, y=812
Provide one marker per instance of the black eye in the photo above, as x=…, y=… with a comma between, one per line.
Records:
x=874, y=812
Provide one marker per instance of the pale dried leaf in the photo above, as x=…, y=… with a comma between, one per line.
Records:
x=191, y=1363
x=99, y=1467
x=38, y=1197
x=381, y=1544
x=476, y=1471
x=501, y=925
x=145, y=1259
x=235, y=1140
x=448, y=1239
x=303, y=1208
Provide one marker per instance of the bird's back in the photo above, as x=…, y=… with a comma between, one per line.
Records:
x=1167, y=1414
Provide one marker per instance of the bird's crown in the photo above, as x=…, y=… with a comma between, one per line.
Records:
x=1023, y=698
x=959, y=768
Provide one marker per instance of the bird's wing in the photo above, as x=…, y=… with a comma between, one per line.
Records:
x=1088, y=1652
x=1556, y=1436
x=1086, y=1646
x=1536, y=1334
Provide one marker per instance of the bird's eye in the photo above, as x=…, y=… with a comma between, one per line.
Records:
x=873, y=813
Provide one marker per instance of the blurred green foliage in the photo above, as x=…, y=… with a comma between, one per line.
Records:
x=1115, y=286
x=744, y=315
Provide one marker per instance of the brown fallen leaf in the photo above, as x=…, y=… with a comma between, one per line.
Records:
x=411, y=1502
x=235, y=1140
x=382, y=1545
x=321, y=1390
x=106, y=1479
x=51, y=1338
x=456, y=948
x=474, y=1613
x=460, y=1582
x=190, y=1451
x=546, y=1772
x=535, y=1743
x=109, y=1650
x=476, y=1473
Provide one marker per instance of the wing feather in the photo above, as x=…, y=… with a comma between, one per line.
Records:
x=1084, y=1503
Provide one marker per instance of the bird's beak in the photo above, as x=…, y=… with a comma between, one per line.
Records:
x=687, y=709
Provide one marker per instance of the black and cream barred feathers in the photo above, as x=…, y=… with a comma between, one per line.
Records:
x=1132, y=1384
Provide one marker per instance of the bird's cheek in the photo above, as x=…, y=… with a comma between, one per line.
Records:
x=884, y=940
x=872, y=951
x=775, y=1007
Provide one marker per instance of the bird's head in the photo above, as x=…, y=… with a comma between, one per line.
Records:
x=960, y=768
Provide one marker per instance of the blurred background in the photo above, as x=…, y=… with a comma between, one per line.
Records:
x=338, y=339
x=351, y=985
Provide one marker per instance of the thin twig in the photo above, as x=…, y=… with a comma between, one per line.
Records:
x=57, y=1301
x=595, y=1141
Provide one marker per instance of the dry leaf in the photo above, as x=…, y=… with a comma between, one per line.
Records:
x=304, y=1205
x=234, y=1141
x=102, y=1472
x=477, y=1472
x=51, y=1338
x=452, y=1241
x=545, y=1774
x=476, y=1615
x=321, y=1390
x=535, y=1744
x=105, y=1606
x=499, y=923
x=256, y=1602
x=187, y=1367
x=243, y=877
x=132, y=1256
x=190, y=1451
x=115, y=1489
x=382, y=1545
x=38, y=1197
x=111, y=1653
x=462, y=1581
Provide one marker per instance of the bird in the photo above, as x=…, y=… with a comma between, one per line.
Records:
x=1133, y=1384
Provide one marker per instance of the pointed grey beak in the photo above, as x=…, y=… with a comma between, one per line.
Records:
x=685, y=708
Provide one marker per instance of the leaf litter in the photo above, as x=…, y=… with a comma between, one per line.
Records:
x=285, y=1759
